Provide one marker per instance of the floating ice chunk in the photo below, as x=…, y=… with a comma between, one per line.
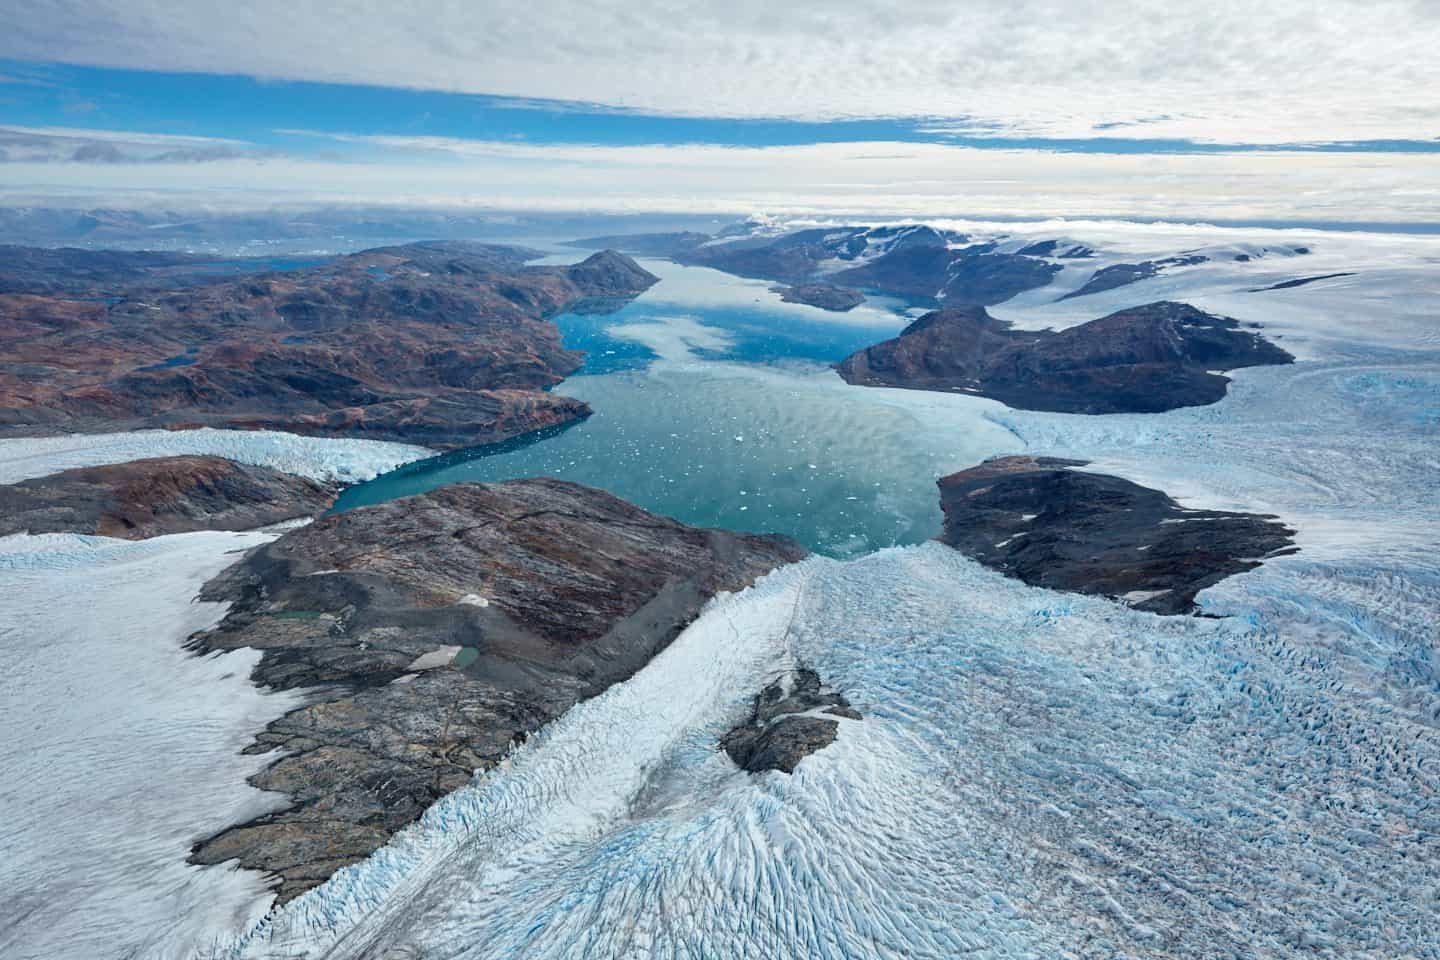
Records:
x=474, y=600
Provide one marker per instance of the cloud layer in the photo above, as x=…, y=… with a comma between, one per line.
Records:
x=75, y=145
x=1223, y=71
x=905, y=179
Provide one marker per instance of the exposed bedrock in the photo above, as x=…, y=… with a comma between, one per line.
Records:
x=1041, y=521
x=1142, y=360
x=148, y=498
x=789, y=720
x=436, y=631
x=447, y=345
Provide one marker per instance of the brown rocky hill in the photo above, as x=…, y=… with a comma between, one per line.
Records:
x=446, y=345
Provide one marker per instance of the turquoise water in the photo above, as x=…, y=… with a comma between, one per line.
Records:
x=716, y=404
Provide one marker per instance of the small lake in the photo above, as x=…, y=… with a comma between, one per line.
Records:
x=715, y=403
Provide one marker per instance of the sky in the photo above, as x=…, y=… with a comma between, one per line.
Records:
x=1234, y=110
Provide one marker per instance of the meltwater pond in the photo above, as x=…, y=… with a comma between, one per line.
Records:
x=715, y=404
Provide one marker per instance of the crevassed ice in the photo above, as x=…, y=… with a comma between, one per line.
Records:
x=318, y=458
x=1036, y=773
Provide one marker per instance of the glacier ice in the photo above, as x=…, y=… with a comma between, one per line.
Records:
x=120, y=748
x=331, y=459
x=1037, y=775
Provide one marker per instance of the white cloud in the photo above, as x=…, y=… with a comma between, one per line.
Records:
x=73, y=144
x=903, y=179
x=1223, y=70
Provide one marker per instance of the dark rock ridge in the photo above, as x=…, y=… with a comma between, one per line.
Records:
x=441, y=344
x=148, y=498
x=1048, y=248
x=823, y=295
x=1122, y=274
x=788, y=721
x=1142, y=360
x=1038, y=520
x=437, y=630
x=1299, y=282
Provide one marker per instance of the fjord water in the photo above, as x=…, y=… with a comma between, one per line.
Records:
x=715, y=404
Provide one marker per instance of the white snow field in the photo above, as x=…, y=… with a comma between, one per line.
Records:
x=318, y=458
x=120, y=748
x=1038, y=775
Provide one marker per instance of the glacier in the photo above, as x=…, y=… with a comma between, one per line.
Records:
x=1037, y=775
x=325, y=459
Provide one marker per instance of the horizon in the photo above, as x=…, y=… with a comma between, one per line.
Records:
x=1285, y=117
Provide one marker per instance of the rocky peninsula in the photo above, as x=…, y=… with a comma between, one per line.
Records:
x=152, y=497
x=435, y=631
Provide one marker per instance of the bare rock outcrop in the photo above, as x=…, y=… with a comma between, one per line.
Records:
x=437, y=630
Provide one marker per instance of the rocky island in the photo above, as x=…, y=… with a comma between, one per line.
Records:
x=826, y=296
x=1041, y=521
x=435, y=631
x=1142, y=360
x=441, y=344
